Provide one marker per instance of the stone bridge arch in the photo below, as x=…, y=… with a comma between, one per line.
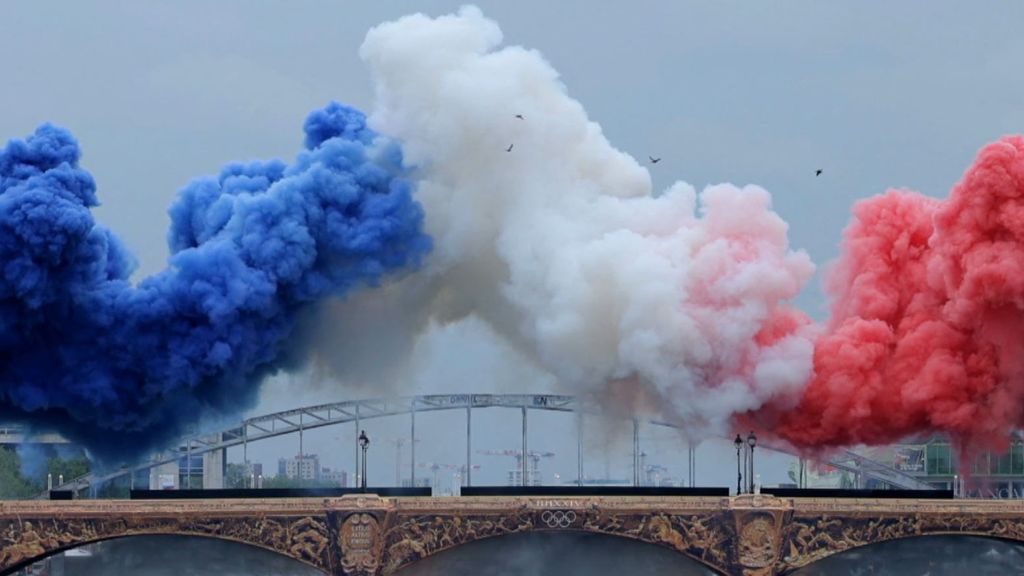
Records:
x=825, y=559
x=705, y=536
x=22, y=556
x=298, y=530
x=547, y=552
x=810, y=536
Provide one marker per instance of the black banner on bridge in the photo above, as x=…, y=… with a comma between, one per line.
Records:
x=857, y=493
x=273, y=493
x=591, y=491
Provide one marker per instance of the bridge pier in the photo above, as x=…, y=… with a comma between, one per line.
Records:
x=363, y=535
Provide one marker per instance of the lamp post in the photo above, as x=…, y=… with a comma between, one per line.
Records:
x=752, y=442
x=738, y=442
x=364, y=443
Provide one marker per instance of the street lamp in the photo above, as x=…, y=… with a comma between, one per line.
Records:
x=752, y=442
x=364, y=443
x=738, y=442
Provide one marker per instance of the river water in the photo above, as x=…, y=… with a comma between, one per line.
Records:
x=536, y=554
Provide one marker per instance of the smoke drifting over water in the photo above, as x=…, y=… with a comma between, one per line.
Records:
x=87, y=353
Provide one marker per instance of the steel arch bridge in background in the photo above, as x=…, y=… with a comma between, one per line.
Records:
x=298, y=420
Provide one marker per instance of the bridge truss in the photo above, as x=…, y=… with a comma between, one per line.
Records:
x=298, y=420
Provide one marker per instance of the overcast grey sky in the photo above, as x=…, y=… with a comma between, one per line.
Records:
x=877, y=94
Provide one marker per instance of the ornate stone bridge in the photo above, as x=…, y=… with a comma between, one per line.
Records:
x=364, y=535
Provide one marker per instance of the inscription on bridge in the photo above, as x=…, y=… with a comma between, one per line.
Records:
x=557, y=504
x=359, y=542
x=368, y=536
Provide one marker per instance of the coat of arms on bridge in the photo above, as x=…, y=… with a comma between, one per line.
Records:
x=359, y=544
x=758, y=542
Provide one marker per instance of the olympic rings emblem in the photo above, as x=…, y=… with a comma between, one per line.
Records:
x=558, y=518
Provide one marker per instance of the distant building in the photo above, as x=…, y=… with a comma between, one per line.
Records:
x=190, y=469
x=252, y=474
x=421, y=482
x=334, y=477
x=193, y=471
x=990, y=474
x=515, y=477
x=254, y=469
x=935, y=461
x=301, y=467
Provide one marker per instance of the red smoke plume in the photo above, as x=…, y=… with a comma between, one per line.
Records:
x=927, y=327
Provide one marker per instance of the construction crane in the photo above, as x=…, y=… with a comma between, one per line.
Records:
x=398, y=443
x=435, y=467
x=460, y=471
x=533, y=465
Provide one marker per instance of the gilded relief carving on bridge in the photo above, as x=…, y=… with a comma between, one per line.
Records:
x=26, y=539
x=415, y=537
x=753, y=535
x=701, y=537
x=811, y=538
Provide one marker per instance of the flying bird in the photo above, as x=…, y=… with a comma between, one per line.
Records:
x=520, y=116
x=654, y=160
x=509, y=149
x=817, y=172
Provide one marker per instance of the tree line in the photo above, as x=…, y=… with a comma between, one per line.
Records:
x=18, y=481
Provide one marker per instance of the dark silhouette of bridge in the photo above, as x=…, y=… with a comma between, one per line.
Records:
x=364, y=535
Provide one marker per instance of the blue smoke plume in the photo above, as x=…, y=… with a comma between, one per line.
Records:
x=121, y=367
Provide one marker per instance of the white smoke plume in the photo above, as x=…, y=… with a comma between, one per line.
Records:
x=561, y=247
